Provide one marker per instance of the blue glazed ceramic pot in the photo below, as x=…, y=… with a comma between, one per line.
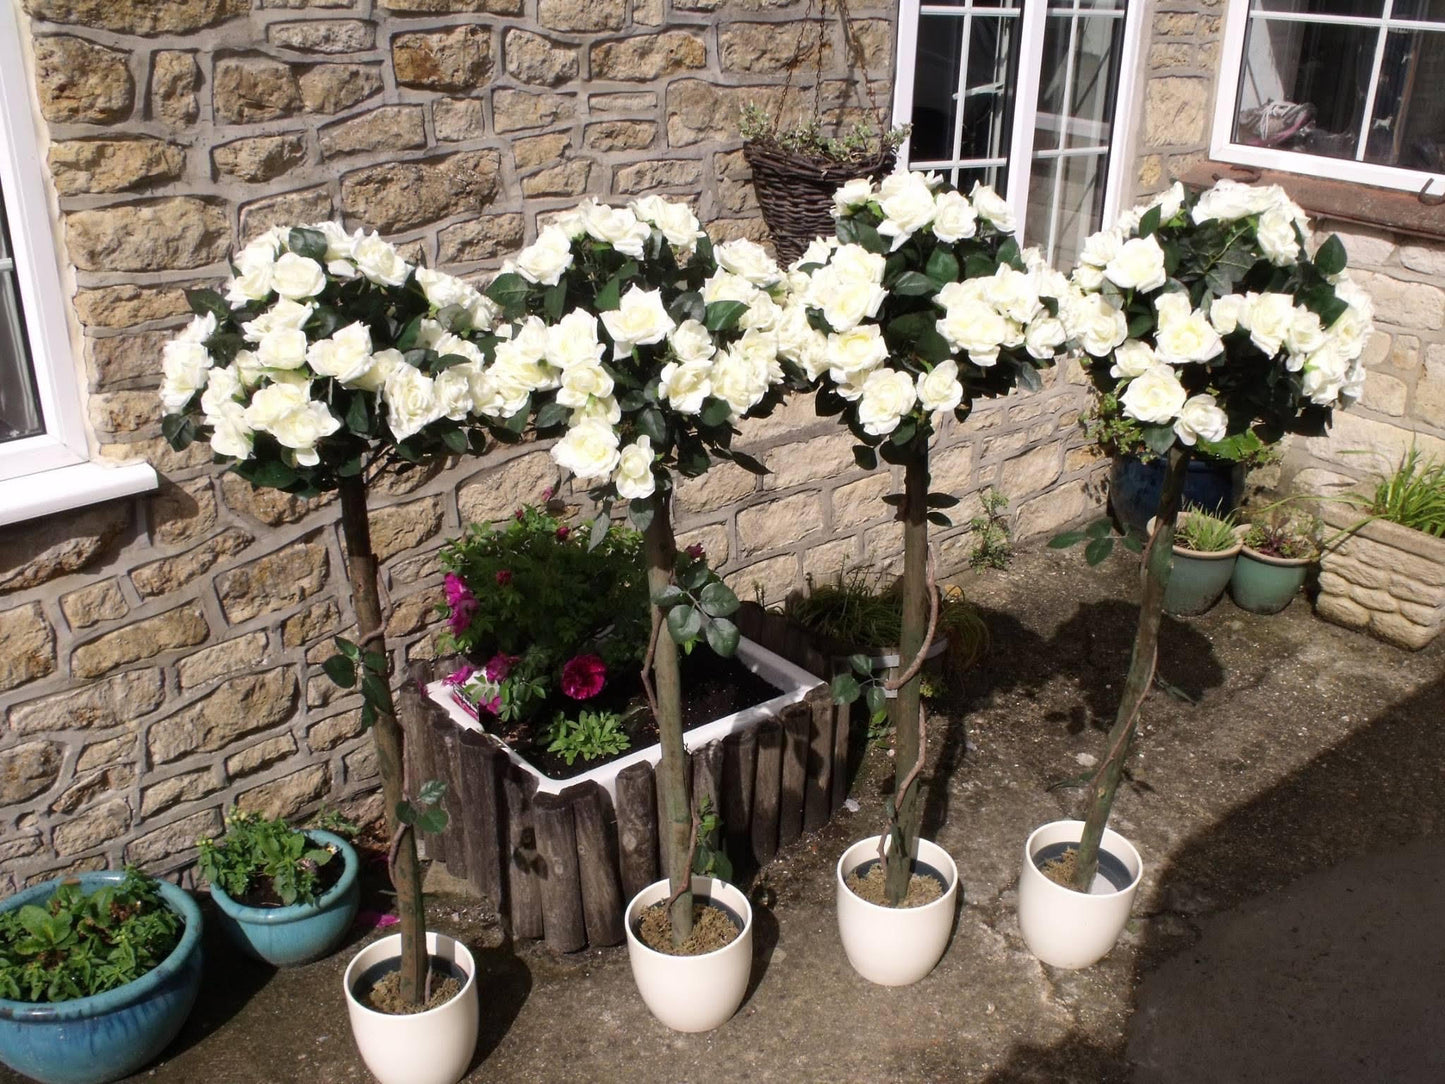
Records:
x=90, y=1040
x=283, y=936
x=1134, y=488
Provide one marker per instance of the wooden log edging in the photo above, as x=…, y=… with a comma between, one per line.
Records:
x=563, y=867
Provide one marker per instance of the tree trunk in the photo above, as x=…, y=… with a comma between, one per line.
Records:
x=672, y=770
x=387, y=737
x=1154, y=577
x=905, y=707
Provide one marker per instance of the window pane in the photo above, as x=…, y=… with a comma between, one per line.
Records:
x=1066, y=204
x=962, y=92
x=1090, y=81
x=1408, y=124
x=1425, y=10
x=1303, y=87
x=1369, y=9
x=19, y=405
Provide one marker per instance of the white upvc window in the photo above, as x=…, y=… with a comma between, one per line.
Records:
x=45, y=463
x=1353, y=89
x=1029, y=96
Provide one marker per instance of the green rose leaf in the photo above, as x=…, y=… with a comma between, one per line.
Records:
x=1098, y=549
x=1330, y=259
x=179, y=430
x=208, y=301
x=724, y=315
x=942, y=266
x=668, y=597
x=718, y=600
x=722, y=637
x=845, y=689
x=309, y=243
x=341, y=671
x=684, y=623
x=914, y=284
x=510, y=291
x=1150, y=222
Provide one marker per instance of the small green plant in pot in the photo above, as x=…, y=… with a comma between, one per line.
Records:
x=1278, y=549
x=1205, y=549
x=286, y=896
x=97, y=975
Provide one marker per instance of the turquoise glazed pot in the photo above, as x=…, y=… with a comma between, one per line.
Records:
x=283, y=936
x=1263, y=584
x=90, y=1040
x=1197, y=580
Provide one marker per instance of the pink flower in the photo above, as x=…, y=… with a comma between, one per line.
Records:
x=504, y=577
x=583, y=677
x=547, y=494
x=695, y=551
x=562, y=532
x=460, y=676
x=500, y=665
x=519, y=514
x=462, y=602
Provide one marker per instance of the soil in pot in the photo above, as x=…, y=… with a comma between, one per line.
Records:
x=379, y=986
x=263, y=894
x=712, y=687
x=869, y=882
x=713, y=926
x=1057, y=861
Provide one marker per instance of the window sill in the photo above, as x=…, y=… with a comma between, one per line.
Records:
x=1344, y=201
x=33, y=495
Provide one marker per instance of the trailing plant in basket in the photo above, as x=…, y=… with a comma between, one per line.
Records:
x=651, y=343
x=1208, y=322
x=327, y=359
x=77, y=943
x=921, y=304
x=257, y=853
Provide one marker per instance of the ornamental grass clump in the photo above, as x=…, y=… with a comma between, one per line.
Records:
x=642, y=344
x=1413, y=495
x=325, y=360
x=1202, y=532
x=1208, y=321
x=920, y=304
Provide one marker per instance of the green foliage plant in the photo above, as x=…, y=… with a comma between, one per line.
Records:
x=590, y=735
x=1280, y=534
x=1205, y=533
x=992, y=547
x=79, y=943
x=1413, y=494
x=858, y=142
x=256, y=851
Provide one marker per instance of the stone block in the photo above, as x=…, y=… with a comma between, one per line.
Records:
x=1061, y=507
x=239, y=706
x=1385, y=394
x=624, y=101
x=822, y=457
x=332, y=731
x=97, y=825
x=725, y=484
x=564, y=179
x=456, y=119
x=645, y=57
x=42, y=550
x=1363, y=246
x=387, y=128
x=861, y=501
x=186, y=787
x=98, y=706
x=28, y=769
x=130, y=356
x=252, y=88
x=518, y=110
x=323, y=35
x=274, y=582
x=360, y=764
x=1175, y=109
x=172, y=839
x=400, y=195
x=1031, y=471
x=268, y=506
x=125, y=411
x=768, y=581
x=640, y=178
x=80, y=81
x=321, y=619
x=27, y=646
x=1404, y=303
x=883, y=548
x=175, y=79
x=825, y=563
x=126, y=305
x=85, y=788
x=145, y=17
x=413, y=613
x=404, y=526
x=620, y=135
x=449, y=7
x=533, y=151
x=157, y=235
x=330, y=88
x=1429, y=401
x=713, y=538
x=222, y=659
x=952, y=470
x=303, y=205
x=582, y=16
x=289, y=795
x=109, y=752
x=260, y=756
x=457, y=58
x=171, y=573
x=778, y=523
x=1428, y=259
x=182, y=511
x=93, y=604
x=82, y=166
x=532, y=58
x=260, y=158
x=185, y=626
x=494, y=492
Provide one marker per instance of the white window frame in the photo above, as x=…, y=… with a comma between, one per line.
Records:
x=1021, y=138
x=1223, y=149
x=53, y=470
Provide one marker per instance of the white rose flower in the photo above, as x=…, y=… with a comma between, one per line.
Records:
x=674, y=220
x=454, y=391
x=1138, y=265
x=186, y=366
x=634, y=478
x=845, y=303
x=854, y=263
x=383, y=364
x=1100, y=248
x=1229, y=200
x=588, y=451
x=1188, y=340
x=1170, y=202
x=906, y=200
x=854, y=193
x=888, y=394
x=1044, y=336
x=737, y=380
x=1224, y=312
x=573, y=341
x=954, y=218
x=1132, y=358
x=1306, y=334
x=250, y=284
x=748, y=260
x=582, y=382
x=1201, y=419
x=547, y=258
x=1013, y=294
x=725, y=286
x=411, y=401
x=686, y=384
x=285, y=314
x=199, y=329
x=992, y=207
x=1087, y=277
x=856, y=352
x=1155, y=397
x=603, y=411
x=1172, y=307
x=339, y=243
x=1095, y=324
x=379, y=261
x=230, y=435
x=1277, y=238
x=296, y=277
x=691, y=341
x=976, y=326
x=289, y=414
x=939, y=388
x=249, y=368
x=617, y=226
x=442, y=289
x=639, y=320
x=283, y=348
x=223, y=386
x=818, y=251
x=345, y=356
x=1268, y=317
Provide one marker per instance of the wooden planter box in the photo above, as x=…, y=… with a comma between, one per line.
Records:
x=1384, y=578
x=562, y=858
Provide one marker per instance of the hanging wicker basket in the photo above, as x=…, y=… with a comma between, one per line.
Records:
x=796, y=192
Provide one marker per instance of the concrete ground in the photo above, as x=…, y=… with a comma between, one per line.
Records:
x=1292, y=823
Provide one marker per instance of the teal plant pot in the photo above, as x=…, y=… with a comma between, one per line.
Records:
x=285, y=936
x=1263, y=584
x=91, y=1040
x=1198, y=580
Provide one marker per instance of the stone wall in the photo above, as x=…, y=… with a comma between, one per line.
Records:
x=160, y=657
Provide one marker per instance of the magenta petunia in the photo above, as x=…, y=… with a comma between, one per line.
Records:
x=462, y=602
x=500, y=665
x=583, y=677
x=459, y=677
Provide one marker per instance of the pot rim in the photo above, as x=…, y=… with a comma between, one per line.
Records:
x=1053, y=885
x=633, y=941
x=81, y=1008
x=1282, y=562
x=277, y=916
x=355, y=1003
x=943, y=900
